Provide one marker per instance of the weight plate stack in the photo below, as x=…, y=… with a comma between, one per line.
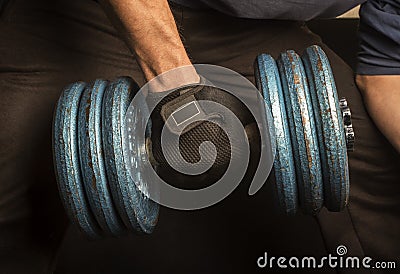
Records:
x=302, y=97
x=99, y=194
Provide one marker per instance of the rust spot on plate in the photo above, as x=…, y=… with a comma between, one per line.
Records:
x=296, y=78
x=308, y=151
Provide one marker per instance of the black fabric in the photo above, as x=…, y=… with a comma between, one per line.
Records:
x=3, y=3
x=379, y=38
x=272, y=9
x=46, y=44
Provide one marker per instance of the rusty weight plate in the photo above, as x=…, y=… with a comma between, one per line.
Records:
x=303, y=132
x=66, y=161
x=138, y=211
x=330, y=128
x=269, y=83
x=92, y=159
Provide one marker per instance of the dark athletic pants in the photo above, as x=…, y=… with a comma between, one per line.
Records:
x=44, y=45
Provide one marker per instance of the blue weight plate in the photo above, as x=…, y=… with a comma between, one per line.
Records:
x=92, y=159
x=302, y=131
x=331, y=134
x=66, y=161
x=136, y=209
x=268, y=81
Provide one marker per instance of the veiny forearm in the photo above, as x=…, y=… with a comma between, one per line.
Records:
x=150, y=31
x=381, y=95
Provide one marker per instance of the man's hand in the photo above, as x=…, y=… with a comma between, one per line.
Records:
x=381, y=95
x=150, y=32
x=184, y=105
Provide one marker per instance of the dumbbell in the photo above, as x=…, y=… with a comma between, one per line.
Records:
x=313, y=130
x=99, y=195
x=102, y=198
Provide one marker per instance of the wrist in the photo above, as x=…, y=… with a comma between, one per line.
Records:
x=171, y=76
x=161, y=60
x=166, y=67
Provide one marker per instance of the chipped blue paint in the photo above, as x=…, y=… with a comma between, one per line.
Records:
x=330, y=128
x=268, y=81
x=138, y=211
x=302, y=131
x=66, y=160
x=92, y=160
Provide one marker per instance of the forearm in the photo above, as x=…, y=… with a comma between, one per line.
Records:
x=149, y=30
x=381, y=95
x=379, y=65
